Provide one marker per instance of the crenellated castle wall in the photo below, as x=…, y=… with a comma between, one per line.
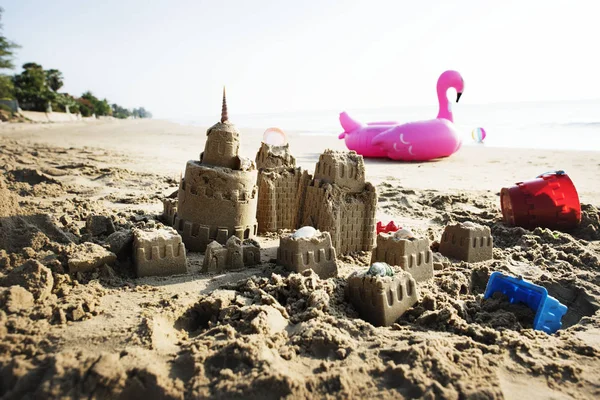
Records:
x=345, y=169
x=158, y=253
x=280, y=199
x=412, y=255
x=215, y=203
x=234, y=254
x=316, y=253
x=274, y=157
x=467, y=242
x=169, y=211
x=349, y=217
x=381, y=300
x=281, y=189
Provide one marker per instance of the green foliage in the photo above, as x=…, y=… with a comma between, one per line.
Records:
x=90, y=97
x=99, y=107
x=7, y=88
x=141, y=113
x=6, y=109
x=64, y=100
x=120, y=112
x=32, y=65
x=86, y=108
x=6, y=48
x=103, y=108
x=31, y=88
x=55, y=79
x=35, y=87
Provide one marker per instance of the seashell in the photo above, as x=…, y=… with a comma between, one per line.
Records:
x=306, y=232
x=380, y=269
x=275, y=137
x=403, y=234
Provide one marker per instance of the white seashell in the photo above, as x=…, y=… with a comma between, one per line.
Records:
x=403, y=234
x=305, y=232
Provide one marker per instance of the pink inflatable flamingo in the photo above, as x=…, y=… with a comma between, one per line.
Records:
x=413, y=141
x=359, y=136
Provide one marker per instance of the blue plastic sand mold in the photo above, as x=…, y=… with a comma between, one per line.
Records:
x=548, y=310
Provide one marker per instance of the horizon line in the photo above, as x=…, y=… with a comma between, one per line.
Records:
x=323, y=110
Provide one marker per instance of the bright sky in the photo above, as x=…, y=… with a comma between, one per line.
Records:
x=173, y=57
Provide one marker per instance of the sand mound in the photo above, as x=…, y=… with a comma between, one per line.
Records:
x=8, y=202
x=84, y=375
x=30, y=176
x=36, y=232
x=34, y=277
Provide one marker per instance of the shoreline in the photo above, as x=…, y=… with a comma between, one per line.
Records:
x=20, y=126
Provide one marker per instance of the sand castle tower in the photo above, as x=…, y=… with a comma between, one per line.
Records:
x=381, y=300
x=281, y=188
x=218, y=195
x=468, y=242
x=411, y=254
x=307, y=248
x=339, y=201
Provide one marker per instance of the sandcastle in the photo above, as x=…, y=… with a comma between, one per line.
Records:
x=381, y=300
x=169, y=211
x=339, y=201
x=158, y=253
x=306, y=249
x=235, y=254
x=281, y=189
x=467, y=242
x=411, y=254
x=218, y=195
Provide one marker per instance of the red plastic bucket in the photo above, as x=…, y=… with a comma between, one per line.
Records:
x=548, y=201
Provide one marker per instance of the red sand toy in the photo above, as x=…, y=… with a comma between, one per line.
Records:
x=390, y=227
x=548, y=201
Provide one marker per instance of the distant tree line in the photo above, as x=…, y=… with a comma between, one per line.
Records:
x=37, y=89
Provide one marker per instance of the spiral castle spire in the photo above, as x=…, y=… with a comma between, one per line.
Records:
x=224, y=116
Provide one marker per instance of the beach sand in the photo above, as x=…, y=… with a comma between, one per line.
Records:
x=261, y=332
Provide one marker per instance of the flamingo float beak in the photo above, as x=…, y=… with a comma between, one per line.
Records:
x=458, y=94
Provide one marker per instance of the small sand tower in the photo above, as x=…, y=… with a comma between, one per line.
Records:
x=341, y=202
x=281, y=188
x=217, y=196
x=381, y=299
x=402, y=249
x=468, y=242
x=307, y=248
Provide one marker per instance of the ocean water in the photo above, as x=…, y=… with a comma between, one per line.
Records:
x=538, y=125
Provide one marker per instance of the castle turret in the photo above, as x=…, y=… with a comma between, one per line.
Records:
x=222, y=142
x=217, y=196
x=341, y=202
x=281, y=188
